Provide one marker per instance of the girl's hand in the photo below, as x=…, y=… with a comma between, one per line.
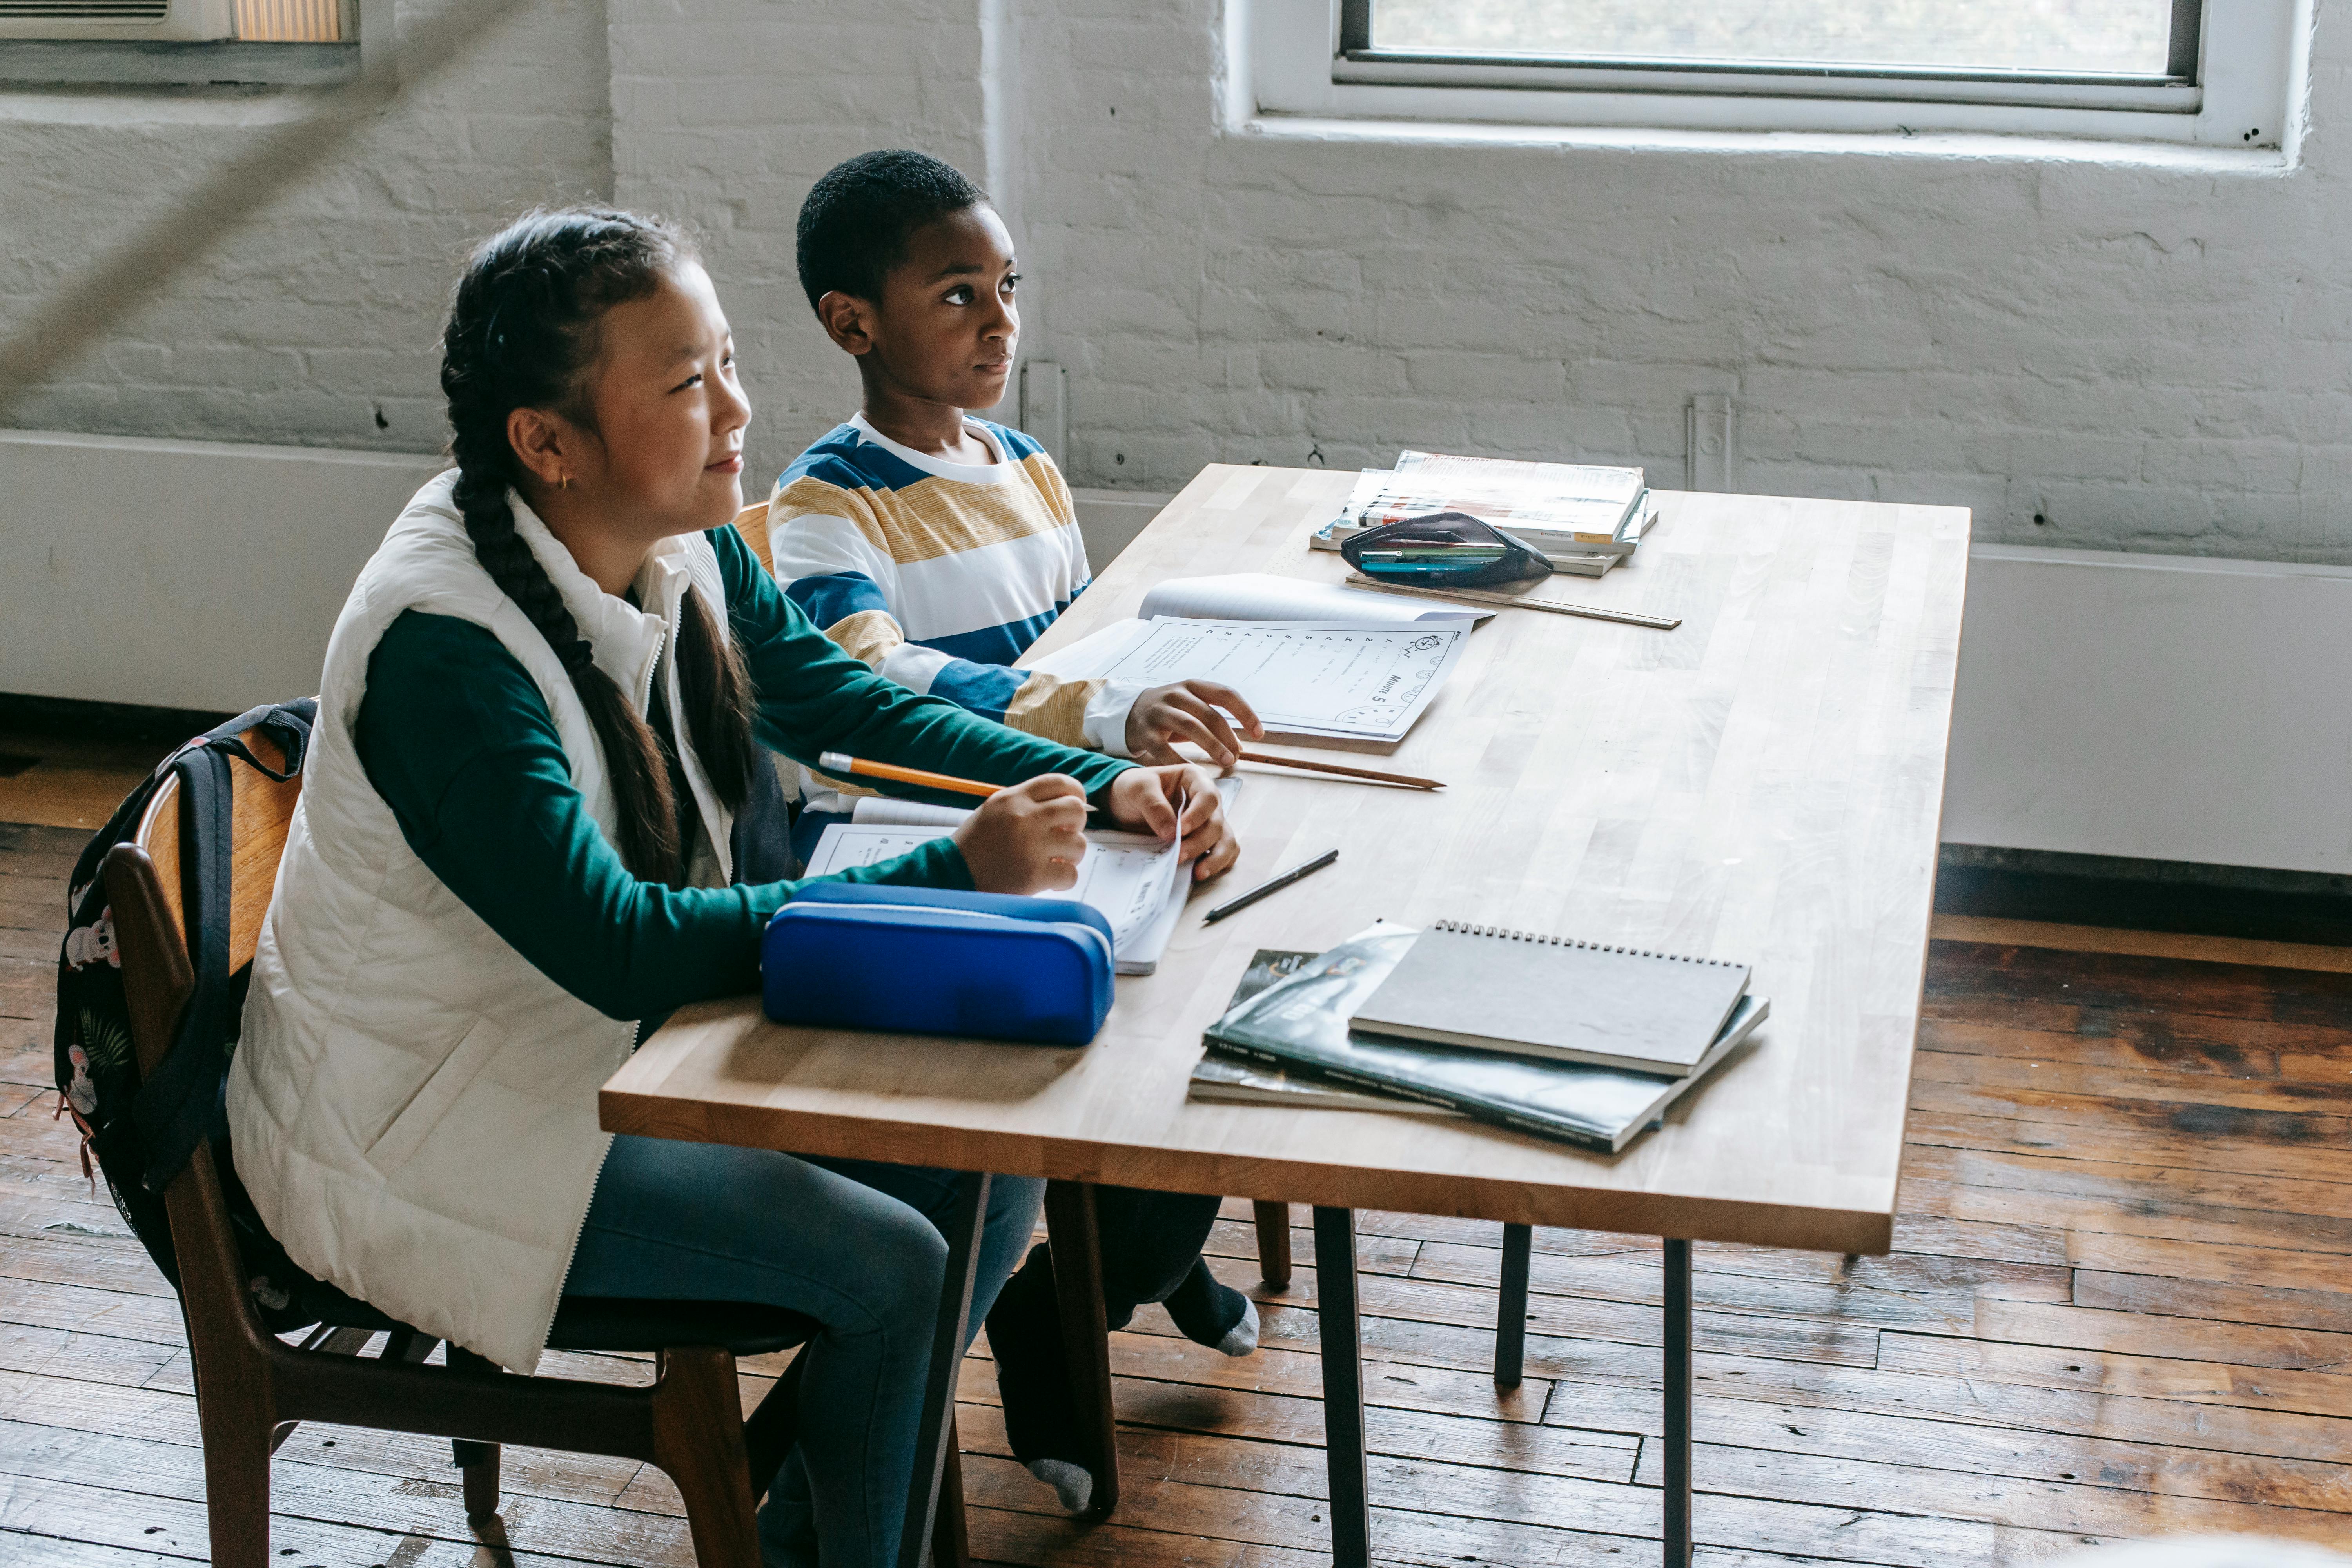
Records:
x=1144, y=800
x=1187, y=710
x=1027, y=838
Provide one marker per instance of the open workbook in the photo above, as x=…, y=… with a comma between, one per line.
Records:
x=1133, y=879
x=1263, y=596
x=1320, y=664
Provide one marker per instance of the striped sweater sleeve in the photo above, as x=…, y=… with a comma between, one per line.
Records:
x=832, y=563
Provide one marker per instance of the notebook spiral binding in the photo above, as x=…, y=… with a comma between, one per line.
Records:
x=1463, y=927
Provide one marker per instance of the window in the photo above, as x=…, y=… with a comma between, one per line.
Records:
x=2148, y=42
x=2212, y=72
x=178, y=42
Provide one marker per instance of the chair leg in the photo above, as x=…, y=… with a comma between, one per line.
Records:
x=697, y=1411
x=234, y=1417
x=950, y=1540
x=478, y=1463
x=1274, y=1245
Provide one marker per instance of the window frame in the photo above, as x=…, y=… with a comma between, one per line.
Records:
x=94, y=59
x=174, y=63
x=2226, y=85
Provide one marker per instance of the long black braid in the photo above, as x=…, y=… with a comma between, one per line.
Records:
x=523, y=333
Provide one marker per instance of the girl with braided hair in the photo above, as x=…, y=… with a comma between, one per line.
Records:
x=516, y=848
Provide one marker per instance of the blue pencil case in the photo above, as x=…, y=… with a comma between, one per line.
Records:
x=931, y=961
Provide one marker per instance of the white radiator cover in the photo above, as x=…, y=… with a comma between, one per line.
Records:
x=2160, y=707
x=199, y=575
x=2163, y=707
x=182, y=573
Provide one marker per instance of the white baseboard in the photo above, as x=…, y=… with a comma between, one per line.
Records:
x=182, y=573
x=2167, y=708
x=2160, y=707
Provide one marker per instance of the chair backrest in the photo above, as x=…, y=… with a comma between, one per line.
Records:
x=148, y=886
x=751, y=523
x=260, y=816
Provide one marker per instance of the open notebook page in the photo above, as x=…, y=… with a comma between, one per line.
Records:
x=1305, y=679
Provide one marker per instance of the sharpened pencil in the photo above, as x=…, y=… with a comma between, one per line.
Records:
x=1370, y=776
x=841, y=762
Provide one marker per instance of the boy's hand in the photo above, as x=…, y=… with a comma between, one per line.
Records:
x=1187, y=710
x=1028, y=839
x=1144, y=800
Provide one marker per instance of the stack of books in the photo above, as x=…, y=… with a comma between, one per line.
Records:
x=1573, y=1041
x=1585, y=520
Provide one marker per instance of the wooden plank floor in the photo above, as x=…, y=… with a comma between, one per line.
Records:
x=2121, y=1305
x=73, y=780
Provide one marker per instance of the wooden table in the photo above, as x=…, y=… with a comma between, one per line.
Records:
x=1763, y=784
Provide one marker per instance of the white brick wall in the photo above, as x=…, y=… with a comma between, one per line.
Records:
x=315, y=317
x=2152, y=358
x=726, y=111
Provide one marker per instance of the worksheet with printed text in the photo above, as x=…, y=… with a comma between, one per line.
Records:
x=1311, y=678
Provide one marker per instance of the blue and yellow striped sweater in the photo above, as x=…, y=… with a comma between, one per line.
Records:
x=939, y=576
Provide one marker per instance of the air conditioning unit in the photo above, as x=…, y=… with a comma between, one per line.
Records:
x=117, y=20
x=254, y=21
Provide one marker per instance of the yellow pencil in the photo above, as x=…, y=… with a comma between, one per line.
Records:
x=841, y=762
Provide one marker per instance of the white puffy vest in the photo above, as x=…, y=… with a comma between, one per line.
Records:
x=413, y=1105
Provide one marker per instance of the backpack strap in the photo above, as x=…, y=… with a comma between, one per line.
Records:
x=288, y=724
x=179, y=1106
x=174, y=1108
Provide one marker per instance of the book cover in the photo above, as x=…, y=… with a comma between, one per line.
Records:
x=1229, y=1081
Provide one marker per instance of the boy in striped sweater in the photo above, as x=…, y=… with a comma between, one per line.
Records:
x=934, y=545
x=937, y=547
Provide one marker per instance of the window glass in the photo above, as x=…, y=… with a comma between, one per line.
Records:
x=2128, y=36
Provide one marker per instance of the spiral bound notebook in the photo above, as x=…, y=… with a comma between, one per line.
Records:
x=1290, y=1044
x=1549, y=996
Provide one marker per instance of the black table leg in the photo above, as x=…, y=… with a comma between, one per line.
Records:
x=1677, y=1552
x=1074, y=1238
x=1511, y=1306
x=1343, y=1387
x=962, y=1228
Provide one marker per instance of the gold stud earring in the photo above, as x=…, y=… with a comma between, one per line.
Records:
x=564, y=483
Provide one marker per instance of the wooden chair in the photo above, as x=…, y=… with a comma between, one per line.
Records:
x=253, y=1388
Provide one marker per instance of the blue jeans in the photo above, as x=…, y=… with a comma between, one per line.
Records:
x=852, y=1243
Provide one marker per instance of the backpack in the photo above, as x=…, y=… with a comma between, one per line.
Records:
x=142, y=1135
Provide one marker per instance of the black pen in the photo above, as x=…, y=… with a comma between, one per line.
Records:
x=1275, y=885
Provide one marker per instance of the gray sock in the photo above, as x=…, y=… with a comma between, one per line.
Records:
x=1242, y=1338
x=1071, y=1483
x=1209, y=1312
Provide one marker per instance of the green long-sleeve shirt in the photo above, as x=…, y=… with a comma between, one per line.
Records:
x=456, y=736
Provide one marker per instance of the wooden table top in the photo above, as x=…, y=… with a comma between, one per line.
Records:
x=1762, y=784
